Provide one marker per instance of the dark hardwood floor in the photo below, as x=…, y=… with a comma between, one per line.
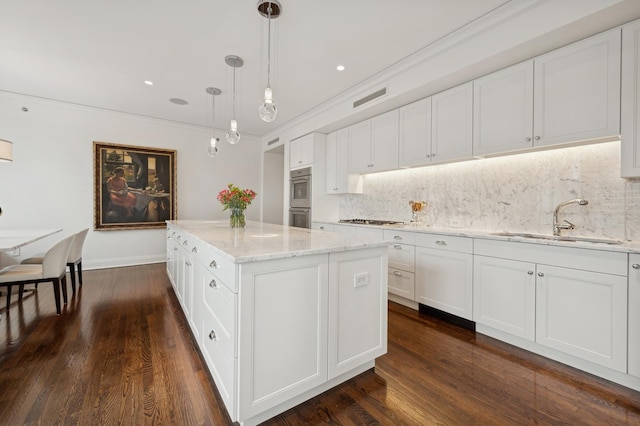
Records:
x=121, y=353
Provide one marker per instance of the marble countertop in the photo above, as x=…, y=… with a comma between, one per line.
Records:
x=263, y=241
x=625, y=247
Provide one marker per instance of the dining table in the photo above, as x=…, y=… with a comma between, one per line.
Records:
x=13, y=239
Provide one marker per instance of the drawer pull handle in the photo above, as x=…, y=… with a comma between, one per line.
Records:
x=441, y=242
x=540, y=274
x=213, y=284
x=397, y=237
x=213, y=264
x=397, y=246
x=635, y=266
x=187, y=263
x=212, y=336
x=194, y=249
x=168, y=237
x=179, y=238
x=185, y=243
x=175, y=248
x=530, y=272
x=397, y=273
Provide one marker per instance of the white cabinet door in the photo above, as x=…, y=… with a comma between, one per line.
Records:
x=355, y=335
x=384, y=141
x=337, y=178
x=503, y=110
x=630, y=145
x=301, y=152
x=452, y=123
x=444, y=280
x=401, y=256
x=283, y=322
x=402, y=283
x=634, y=314
x=583, y=314
x=504, y=295
x=360, y=147
x=415, y=133
x=577, y=91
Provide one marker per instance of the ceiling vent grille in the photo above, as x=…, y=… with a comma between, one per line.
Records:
x=271, y=142
x=370, y=97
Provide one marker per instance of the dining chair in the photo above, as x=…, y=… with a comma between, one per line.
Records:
x=53, y=268
x=74, y=260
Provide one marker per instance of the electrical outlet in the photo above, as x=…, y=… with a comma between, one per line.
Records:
x=361, y=279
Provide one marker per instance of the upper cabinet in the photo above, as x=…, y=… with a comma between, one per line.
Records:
x=630, y=148
x=451, y=123
x=503, y=110
x=415, y=134
x=337, y=177
x=301, y=152
x=568, y=95
x=373, y=144
x=577, y=91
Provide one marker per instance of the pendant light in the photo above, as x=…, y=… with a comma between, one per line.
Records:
x=268, y=110
x=213, y=143
x=233, y=136
x=6, y=151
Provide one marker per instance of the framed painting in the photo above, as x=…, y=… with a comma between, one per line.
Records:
x=134, y=187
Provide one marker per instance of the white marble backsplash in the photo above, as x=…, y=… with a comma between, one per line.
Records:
x=512, y=193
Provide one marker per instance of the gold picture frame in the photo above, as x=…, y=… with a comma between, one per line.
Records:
x=134, y=186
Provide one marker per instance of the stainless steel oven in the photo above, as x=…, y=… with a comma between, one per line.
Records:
x=300, y=217
x=300, y=188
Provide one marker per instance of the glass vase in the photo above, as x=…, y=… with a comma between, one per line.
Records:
x=237, y=219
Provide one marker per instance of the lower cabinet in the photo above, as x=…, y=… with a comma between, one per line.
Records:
x=634, y=314
x=571, y=300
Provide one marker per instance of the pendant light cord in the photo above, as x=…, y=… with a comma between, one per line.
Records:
x=269, y=47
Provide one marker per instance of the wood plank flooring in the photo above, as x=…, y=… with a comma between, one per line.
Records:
x=121, y=353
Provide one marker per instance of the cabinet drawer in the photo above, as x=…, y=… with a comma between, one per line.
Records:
x=222, y=304
x=214, y=332
x=401, y=256
x=445, y=242
x=221, y=364
x=218, y=265
x=402, y=237
x=402, y=283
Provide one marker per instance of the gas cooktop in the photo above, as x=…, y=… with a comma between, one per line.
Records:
x=370, y=221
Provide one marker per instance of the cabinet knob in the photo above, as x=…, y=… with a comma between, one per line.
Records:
x=194, y=250
x=213, y=284
x=537, y=138
x=530, y=272
x=432, y=155
x=179, y=238
x=397, y=237
x=212, y=335
x=322, y=227
x=213, y=264
x=527, y=139
x=397, y=246
x=540, y=274
x=187, y=263
x=635, y=266
x=397, y=273
x=175, y=248
x=441, y=242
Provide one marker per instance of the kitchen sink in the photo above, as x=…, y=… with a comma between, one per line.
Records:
x=557, y=237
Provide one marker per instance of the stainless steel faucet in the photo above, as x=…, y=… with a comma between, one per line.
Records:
x=557, y=227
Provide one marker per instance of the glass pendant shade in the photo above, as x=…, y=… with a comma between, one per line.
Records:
x=268, y=110
x=233, y=137
x=213, y=147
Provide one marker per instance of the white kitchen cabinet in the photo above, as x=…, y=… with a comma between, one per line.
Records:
x=452, y=123
x=301, y=152
x=503, y=110
x=401, y=273
x=414, y=146
x=373, y=144
x=630, y=123
x=504, y=295
x=337, y=177
x=580, y=299
x=444, y=273
x=634, y=315
x=577, y=91
x=583, y=313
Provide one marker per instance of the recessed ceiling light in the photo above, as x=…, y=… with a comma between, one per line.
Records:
x=340, y=67
x=148, y=82
x=178, y=101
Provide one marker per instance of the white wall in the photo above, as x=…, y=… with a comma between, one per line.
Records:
x=50, y=181
x=272, y=183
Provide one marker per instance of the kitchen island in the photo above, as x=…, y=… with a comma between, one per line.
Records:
x=280, y=314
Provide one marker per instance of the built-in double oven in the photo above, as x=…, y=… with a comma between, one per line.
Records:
x=300, y=198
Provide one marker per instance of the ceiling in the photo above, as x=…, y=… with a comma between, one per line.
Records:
x=99, y=53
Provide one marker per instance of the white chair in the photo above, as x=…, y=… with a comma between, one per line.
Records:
x=74, y=259
x=53, y=268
